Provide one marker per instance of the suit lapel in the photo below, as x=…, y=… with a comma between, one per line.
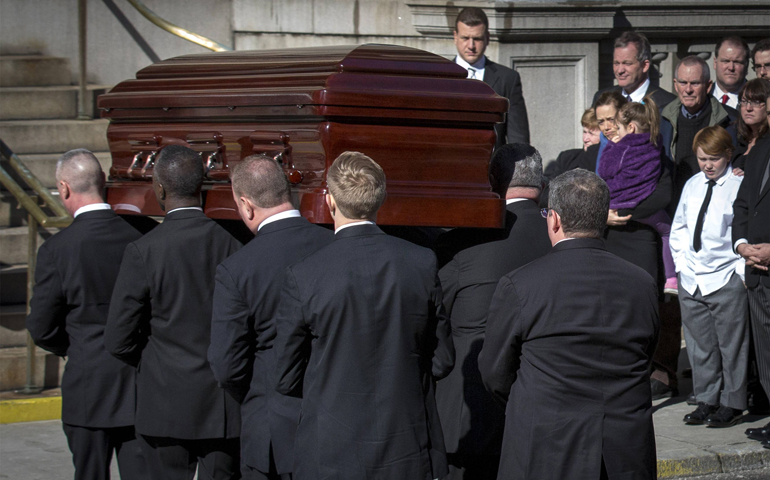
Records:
x=761, y=175
x=490, y=73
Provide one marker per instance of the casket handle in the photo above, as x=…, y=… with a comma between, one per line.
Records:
x=276, y=145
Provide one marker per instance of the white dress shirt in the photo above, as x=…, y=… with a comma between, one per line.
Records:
x=732, y=98
x=184, y=208
x=279, y=216
x=638, y=94
x=92, y=207
x=710, y=268
x=479, y=67
x=362, y=222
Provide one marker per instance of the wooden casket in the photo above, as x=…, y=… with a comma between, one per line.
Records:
x=413, y=112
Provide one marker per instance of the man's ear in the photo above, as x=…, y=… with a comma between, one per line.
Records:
x=64, y=190
x=554, y=221
x=247, y=208
x=160, y=191
x=331, y=204
x=646, y=66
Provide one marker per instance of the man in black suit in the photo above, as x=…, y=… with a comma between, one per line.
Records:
x=751, y=238
x=246, y=296
x=631, y=62
x=569, y=342
x=471, y=420
x=471, y=36
x=75, y=273
x=363, y=335
x=160, y=319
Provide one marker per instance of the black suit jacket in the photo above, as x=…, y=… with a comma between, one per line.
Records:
x=246, y=297
x=471, y=420
x=76, y=270
x=659, y=96
x=160, y=320
x=361, y=320
x=507, y=83
x=569, y=342
x=751, y=207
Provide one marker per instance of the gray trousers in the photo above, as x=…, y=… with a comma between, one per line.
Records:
x=717, y=334
x=759, y=304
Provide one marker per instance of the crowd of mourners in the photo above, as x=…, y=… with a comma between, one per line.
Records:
x=532, y=351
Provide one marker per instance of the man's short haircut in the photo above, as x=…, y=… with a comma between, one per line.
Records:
x=691, y=61
x=761, y=46
x=180, y=170
x=756, y=90
x=261, y=179
x=472, y=16
x=610, y=97
x=582, y=199
x=588, y=120
x=81, y=170
x=357, y=184
x=638, y=40
x=713, y=141
x=733, y=40
x=515, y=165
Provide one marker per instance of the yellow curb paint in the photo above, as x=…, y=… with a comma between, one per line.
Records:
x=30, y=409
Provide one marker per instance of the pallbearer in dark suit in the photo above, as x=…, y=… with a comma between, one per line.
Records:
x=76, y=270
x=362, y=333
x=246, y=295
x=569, y=343
x=160, y=320
x=471, y=420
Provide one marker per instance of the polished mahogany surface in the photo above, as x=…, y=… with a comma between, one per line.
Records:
x=411, y=111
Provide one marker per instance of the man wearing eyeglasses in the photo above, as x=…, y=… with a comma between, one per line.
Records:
x=760, y=57
x=731, y=59
x=694, y=110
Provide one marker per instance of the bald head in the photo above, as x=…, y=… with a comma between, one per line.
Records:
x=261, y=179
x=82, y=172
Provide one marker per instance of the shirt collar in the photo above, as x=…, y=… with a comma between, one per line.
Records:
x=721, y=180
x=479, y=65
x=184, y=208
x=564, y=240
x=92, y=207
x=362, y=222
x=692, y=116
x=509, y=201
x=638, y=94
x=279, y=216
x=719, y=93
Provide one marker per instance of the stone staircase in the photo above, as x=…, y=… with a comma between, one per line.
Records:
x=38, y=121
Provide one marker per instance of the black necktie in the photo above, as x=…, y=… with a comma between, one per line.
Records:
x=696, y=245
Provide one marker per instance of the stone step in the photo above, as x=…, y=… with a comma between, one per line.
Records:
x=54, y=136
x=13, y=244
x=30, y=103
x=13, y=368
x=13, y=331
x=34, y=70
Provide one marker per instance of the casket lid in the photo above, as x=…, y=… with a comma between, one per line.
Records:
x=400, y=79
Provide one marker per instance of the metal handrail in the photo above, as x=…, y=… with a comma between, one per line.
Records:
x=178, y=31
x=35, y=216
x=62, y=218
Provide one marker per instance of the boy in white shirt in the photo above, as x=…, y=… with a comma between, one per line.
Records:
x=711, y=291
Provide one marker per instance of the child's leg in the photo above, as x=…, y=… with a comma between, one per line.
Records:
x=661, y=222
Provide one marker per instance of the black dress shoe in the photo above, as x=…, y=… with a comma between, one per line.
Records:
x=661, y=390
x=699, y=415
x=762, y=433
x=766, y=443
x=724, y=417
x=691, y=399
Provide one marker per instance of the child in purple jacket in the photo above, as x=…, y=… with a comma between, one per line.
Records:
x=632, y=167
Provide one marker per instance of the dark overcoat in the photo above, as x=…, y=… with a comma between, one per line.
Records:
x=569, y=342
x=361, y=320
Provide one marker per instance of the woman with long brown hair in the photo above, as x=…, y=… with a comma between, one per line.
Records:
x=752, y=124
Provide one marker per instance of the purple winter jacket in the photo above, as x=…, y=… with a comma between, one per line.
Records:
x=631, y=169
